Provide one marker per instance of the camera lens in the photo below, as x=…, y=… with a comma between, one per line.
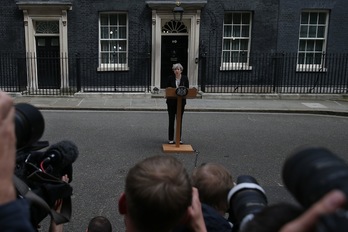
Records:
x=312, y=172
x=29, y=124
x=246, y=198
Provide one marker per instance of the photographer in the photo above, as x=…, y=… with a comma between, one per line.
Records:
x=12, y=210
x=317, y=179
x=308, y=220
x=213, y=182
x=158, y=196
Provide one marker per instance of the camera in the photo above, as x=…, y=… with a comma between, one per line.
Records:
x=42, y=170
x=29, y=125
x=245, y=200
x=312, y=172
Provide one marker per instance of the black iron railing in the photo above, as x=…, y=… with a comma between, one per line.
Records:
x=258, y=73
x=50, y=75
x=274, y=73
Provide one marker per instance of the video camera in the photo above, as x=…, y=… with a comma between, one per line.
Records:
x=245, y=200
x=312, y=172
x=41, y=170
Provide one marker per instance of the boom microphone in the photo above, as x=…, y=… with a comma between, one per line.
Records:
x=61, y=156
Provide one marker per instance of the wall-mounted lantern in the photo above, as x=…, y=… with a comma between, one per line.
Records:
x=178, y=12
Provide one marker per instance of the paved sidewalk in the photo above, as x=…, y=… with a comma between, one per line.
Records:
x=315, y=104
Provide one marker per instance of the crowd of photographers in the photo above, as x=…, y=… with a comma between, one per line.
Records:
x=160, y=195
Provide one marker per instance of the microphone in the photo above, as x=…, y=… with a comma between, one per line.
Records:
x=61, y=155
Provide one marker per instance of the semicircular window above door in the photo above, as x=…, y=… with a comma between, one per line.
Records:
x=174, y=26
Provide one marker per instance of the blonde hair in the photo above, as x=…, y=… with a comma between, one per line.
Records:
x=178, y=65
x=213, y=182
x=158, y=193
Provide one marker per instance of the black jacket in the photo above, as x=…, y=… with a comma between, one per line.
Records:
x=172, y=83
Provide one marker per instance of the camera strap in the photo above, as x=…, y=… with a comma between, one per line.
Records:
x=26, y=192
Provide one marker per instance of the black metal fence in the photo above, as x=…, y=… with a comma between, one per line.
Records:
x=262, y=73
x=64, y=75
x=274, y=73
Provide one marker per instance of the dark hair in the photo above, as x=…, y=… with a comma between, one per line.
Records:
x=99, y=224
x=158, y=193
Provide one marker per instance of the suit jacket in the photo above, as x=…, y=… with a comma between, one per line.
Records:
x=172, y=83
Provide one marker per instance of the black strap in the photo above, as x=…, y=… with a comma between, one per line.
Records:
x=59, y=218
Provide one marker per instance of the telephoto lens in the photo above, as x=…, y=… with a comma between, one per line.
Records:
x=312, y=172
x=29, y=125
x=245, y=199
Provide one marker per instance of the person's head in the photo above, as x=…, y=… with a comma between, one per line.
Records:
x=99, y=224
x=177, y=66
x=157, y=194
x=213, y=182
x=273, y=217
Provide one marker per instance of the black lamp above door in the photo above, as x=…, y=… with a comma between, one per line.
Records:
x=178, y=12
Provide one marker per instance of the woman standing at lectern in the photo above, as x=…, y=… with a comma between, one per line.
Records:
x=174, y=81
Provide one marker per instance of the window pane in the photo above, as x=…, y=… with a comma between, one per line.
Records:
x=226, y=57
x=301, y=58
x=104, y=19
x=313, y=18
x=227, y=31
x=317, y=58
x=113, y=19
x=122, y=19
x=122, y=46
x=303, y=31
x=227, y=44
x=105, y=58
x=113, y=46
x=122, y=58
x=312, y=32
x=235, y=44
x=309, y=58
x=105, y=46
x=310, y=45
x=302, y=46
x=228, y=18
x=319, y=45
x=244, y=45
x=304, y=18
x=245, y=31
x=237, y=18
x=47, y=27
x=235, y=56
x=236, y=31
x=113, y=33
x=321, y=32
x=122, y=33
x=105, y=33
x=114, y=58
x=322, y=18
x=243, y=57
x=246, y=18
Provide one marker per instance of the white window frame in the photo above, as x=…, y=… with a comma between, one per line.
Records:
x=308, y=64
x=236, y=33
x=118, y=50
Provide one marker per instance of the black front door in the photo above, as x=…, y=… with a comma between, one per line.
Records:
x=174, y=50
x=48, y=62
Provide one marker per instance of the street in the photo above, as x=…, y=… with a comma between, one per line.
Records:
x=246, y=143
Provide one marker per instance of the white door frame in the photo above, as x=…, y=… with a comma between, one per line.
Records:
x=44, y=12
x=161, y=13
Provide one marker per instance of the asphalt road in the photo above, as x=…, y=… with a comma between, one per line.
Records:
x=246, y=143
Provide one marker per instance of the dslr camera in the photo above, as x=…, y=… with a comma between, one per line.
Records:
x=245, y=200
x=41, y=171
x=312, y=172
